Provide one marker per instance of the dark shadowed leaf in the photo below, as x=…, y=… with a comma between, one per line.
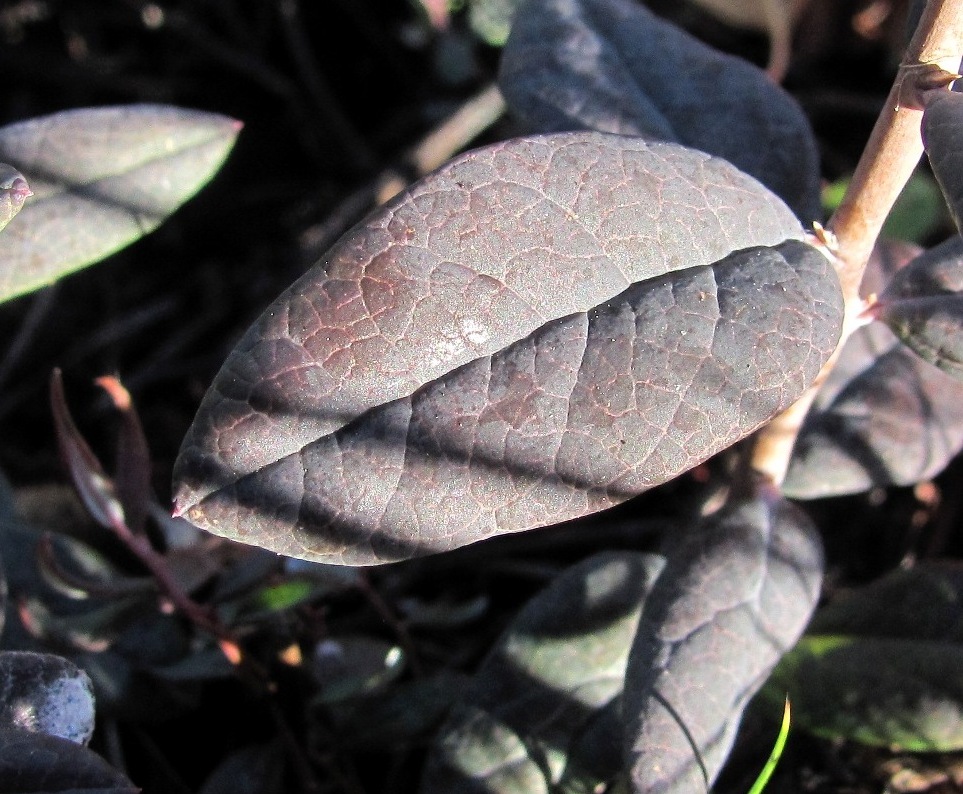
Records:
x=884, y=417
x=463, y=363
x=905, y=694
x=403, y=714
x=613, y=66
x=14, y=191
x=943, y=139
x=34, y=763
x=922, y=602
x=95, y=488
x=923, y=305
x=258, y=769
x=48, y=694
x=559, y=663
x=882, y=665
x=733, y=598
x=353, y=665
x=101, y=178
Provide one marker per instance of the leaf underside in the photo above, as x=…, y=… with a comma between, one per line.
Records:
x=614, y=66
x=734, y=596
x=101, y=178
x=537, y=331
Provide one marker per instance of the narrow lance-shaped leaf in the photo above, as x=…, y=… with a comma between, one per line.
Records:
x=923, y=305
x=556, y=667
x=614, y=66
x=473, y=359
x=733, y=598
x=884, y=417
x=943, y=140
x=14, y=191
x=101, y=178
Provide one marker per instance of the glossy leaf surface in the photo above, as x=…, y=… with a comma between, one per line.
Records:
x=559, y=663
x=943, y=139
x=733, y=598
x=613, y=66
x=47, y=694
x=101, y=178
x=884, y=417
x=923, y=305
x=882, y=664
x=475, y=358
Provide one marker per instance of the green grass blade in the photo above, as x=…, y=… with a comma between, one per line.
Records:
x=775, y=755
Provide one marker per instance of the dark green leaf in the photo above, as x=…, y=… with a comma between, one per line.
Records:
x=475, y=358
x=943, y=139
x=884, y=417
x=613, y=66
x=47, y=694
x=101, y=178
x=560, y=662
x=34, y=763
x=734, y=596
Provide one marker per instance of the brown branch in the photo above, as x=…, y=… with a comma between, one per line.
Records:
x=889, y=159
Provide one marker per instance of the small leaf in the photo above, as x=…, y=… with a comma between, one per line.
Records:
x=354, y=665
x=93, y=486
x=34, y=763
x=495, y=350
x=923, y=305
x=613, y=66
x=560, y=661
x=133, y=469
x=943, y=140
x=14, y=191
x=734, y=596
x=47, y=694
x=884, y=417
x=101, y=178
x=918, y=212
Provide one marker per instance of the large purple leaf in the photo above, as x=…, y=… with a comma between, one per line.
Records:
x=613, y=66
x=923, y=305
x=943, y=139
x=477, y=357
x=101, y=178
x=733, y=598
x=884, y=417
